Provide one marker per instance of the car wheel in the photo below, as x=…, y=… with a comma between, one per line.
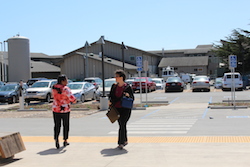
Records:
x=47, y=98
x=193, y=90
x=13, y=100
x=208, y=90
x=82, y=98
x=27, y=101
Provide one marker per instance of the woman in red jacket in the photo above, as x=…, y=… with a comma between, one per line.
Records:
x=61, y=108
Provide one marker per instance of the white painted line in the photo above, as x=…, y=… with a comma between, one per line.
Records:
x=156, y=129
x=161, y=126
x=151, y=132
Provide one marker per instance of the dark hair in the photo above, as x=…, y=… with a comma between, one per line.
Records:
x=121, y=73
x=61, y=78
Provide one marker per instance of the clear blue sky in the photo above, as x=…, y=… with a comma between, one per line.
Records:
x=56, y=27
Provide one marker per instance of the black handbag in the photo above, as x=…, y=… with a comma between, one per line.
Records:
x=112, y=114
x=127, y=102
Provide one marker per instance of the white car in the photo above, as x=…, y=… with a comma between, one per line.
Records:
x=40, y=91
x=108, y=83
x=83, y=91
x=218, y=83
x=200, y=83
x=227, y=81
x=159, y=83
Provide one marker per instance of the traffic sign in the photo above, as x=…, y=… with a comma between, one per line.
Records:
x=232, y=61
x=139, y=63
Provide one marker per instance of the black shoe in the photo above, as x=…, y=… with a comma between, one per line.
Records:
x=126, y=143
x=120, y=146
x=57, y=144
x=65, y=144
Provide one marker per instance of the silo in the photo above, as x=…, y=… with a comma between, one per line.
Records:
x=18, y=59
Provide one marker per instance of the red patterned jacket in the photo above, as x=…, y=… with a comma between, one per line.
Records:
x=62, y=98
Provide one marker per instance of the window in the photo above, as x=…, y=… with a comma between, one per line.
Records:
x=195, y=69
x=132, y=58
x=175, y=68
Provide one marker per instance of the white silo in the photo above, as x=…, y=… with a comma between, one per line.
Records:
x=18, y=59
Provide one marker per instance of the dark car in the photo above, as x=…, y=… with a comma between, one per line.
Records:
x=146, y=82
x=33, y=80
x=9, y=93
x=174, y=84
x=94, y=80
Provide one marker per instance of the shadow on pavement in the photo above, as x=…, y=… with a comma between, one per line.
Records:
x=8, y=161
x=113, y=151
x=52, y=151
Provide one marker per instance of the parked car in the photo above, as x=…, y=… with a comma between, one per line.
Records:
x=94, y=80
x=151, y=86
x=31, y=81
x=130, y=81
x=1, y=84
x=160, y=84
x=83, y=91
x=227, y=81
x=218, y=83
x=201, y=83
x=108, y=83
x=40, y=91
x=10, y=93
x=174, y=84
x=186, y=78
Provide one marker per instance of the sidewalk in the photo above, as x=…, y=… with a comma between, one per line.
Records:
x=134, y=155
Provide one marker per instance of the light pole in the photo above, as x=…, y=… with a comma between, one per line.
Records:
x=86, y=59
x=103, y=99
x=2, y=74
x=4, y=62
x=84, y=63
x=101, y=42
x=123, y=47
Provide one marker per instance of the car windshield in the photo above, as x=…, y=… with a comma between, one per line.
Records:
x=8, y=88
x=90, y=80
x=75, y=86
x=140, y=80
x=40, y=85
x=157, y=81
x=108, y=83
x=200, y=78
x=173, y=79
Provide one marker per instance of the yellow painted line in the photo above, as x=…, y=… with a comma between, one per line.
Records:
x=186, y=139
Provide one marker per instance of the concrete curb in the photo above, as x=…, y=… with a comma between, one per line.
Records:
x=236, y=101
x=79, y=109
x=227, y=107
x=32, y=110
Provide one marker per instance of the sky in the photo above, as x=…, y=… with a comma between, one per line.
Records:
x=57, y=27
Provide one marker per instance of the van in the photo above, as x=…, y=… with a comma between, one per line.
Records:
x=227, y=81
x=186, y=78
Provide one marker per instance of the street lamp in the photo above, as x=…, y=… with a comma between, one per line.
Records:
x=101, y=42
x=86, y=59
x=123, y=47
x=84, y=63
x=103, y=99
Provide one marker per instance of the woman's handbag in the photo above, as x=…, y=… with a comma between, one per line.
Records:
x=113, y=114
x=127, y=102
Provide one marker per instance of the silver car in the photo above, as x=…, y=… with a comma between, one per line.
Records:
x=40, y=91
x=83, y=91
x=200, y=83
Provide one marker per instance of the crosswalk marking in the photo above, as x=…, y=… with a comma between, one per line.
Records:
x=159, y=126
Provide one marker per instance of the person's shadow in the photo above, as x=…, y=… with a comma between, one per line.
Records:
x=52, y=151
x=113, y=151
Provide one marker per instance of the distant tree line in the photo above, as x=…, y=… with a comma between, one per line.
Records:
x=238, y=43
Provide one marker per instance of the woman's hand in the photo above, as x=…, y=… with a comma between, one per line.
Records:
x=126, y=94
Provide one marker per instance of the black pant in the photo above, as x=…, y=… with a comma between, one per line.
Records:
x=57, y=120
x=124, y=117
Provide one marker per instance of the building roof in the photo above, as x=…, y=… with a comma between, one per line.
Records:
x=184, y=61
x=39, y=66
x=42, y=55
x=112, y=61
x=199, y=49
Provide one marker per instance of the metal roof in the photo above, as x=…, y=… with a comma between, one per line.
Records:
x=39, y=66
x=184, y=61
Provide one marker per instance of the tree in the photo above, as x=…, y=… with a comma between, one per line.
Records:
x=238, y=43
